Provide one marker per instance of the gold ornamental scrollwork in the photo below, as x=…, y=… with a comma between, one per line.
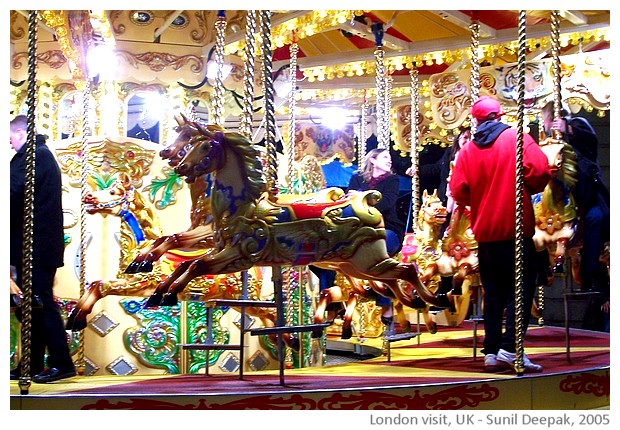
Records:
x=107, y=157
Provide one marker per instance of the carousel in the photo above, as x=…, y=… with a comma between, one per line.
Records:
x=204, y=157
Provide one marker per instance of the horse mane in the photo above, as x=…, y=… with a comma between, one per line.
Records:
x=146, y=216
x=254, y=179
x=459, y=229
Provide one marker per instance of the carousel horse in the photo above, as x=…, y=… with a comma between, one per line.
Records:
x=252, y=229
x=139, y=229
x=360, y=289
x=454, y=255
x=554, y=208
x=200, y=233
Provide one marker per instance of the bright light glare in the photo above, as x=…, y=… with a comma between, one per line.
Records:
x=334, y=117
x=102, y=61
x=212, y=70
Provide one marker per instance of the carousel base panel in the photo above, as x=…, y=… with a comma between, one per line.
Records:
x=432, y=371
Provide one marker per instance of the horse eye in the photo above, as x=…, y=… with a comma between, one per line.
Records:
x=112, y=192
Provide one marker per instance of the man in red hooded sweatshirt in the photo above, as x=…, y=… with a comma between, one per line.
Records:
x=484, y=178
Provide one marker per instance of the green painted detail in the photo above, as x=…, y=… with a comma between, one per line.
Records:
x=168, y=186
x=197, y=333
x=155, y=341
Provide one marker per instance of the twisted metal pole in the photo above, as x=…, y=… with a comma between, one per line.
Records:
x=84, y=189
x=557, y=69
x=245, y=125
x=415, y=137
x=293, y=49
x=29, y=176
x=218, y=90
x=290, y=149
x=270, y=122
x=361, y=143
x=381, y=90
x=519, y=260
x=474, y=77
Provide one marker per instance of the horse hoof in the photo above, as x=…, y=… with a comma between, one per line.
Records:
x=145, y=267
x=153, y=301
x=132, y=268
x=432, y=328
x=169, y=299
x=294, y=343
x=74, y=323
x=558, y=268
x=347, y=333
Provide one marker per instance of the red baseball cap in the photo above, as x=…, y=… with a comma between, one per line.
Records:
x=486, y=108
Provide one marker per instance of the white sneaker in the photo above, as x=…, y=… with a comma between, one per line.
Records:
x=490, y=363
x=508, y=359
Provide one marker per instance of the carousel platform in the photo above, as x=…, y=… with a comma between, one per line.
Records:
x=430, y=372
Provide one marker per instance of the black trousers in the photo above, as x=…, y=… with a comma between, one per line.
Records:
x=497, y=273
x=47, y=330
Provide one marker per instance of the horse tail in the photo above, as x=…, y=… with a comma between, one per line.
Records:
x=568, y=172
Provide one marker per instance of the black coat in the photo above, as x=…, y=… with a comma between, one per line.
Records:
x=48, y=235
x=389, y=189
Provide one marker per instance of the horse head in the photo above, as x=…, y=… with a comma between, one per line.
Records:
x=432, y=213
x=111, y=200
x=123, y=200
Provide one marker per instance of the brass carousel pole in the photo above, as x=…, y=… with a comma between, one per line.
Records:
x=245, y=125
x=474, y=77
x=245, y=128
x=270, y=123
x=84, y=189
x=271, y=165
x=218, y=95
x=26, y=284
x=557, y=69
x=415, y=137
x=519, y=260
x=290, y=150
x=361, y=143
x=381, y=79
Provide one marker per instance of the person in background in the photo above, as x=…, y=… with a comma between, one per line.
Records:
x=47, y=329
x=593, y=200
x=484, y=178
x=376, y=174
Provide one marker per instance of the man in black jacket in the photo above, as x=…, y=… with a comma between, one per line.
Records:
x=47, y=255
x=593, y=201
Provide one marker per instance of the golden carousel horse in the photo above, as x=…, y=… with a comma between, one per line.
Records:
x=139, y=230
x=454, y=255
x=555, y=209
x=251, y=229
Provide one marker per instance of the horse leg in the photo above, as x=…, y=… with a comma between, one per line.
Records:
x=156, y=298
x=347, y=332
x=187, y=240
x=399, y=313
x=431, y=325
x=76, y=320
x=408, y=273
x=139, y=264
x=558, y=256
x=226, y=261
x=327, y=296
